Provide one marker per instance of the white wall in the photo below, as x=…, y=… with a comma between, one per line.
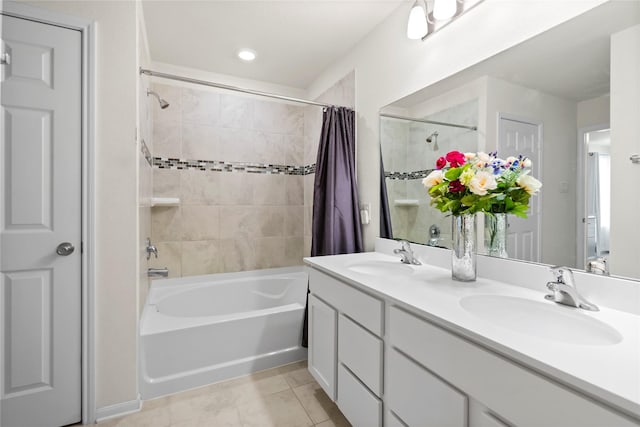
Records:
x=116, y=192
x=594, y=112
x=389, y=66
x=625, y=141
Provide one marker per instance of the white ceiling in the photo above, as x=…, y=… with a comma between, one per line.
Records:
x=295, y=40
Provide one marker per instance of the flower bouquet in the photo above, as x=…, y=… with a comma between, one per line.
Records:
x=466, y=183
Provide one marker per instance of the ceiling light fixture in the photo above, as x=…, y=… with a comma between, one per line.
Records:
x=248, y=54
x=423, y=23
x=417, y=26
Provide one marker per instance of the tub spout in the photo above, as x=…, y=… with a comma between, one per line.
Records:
x=158, y=272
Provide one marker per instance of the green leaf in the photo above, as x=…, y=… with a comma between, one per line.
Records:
x=453, y=173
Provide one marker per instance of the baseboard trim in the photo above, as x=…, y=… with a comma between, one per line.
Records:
x=118, y=410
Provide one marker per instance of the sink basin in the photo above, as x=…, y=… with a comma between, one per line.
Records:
x=541, y=319
x=381, y=268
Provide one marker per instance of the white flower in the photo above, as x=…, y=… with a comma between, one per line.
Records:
x=526, y=163
x=529, y=184
x=484, y=157
x=469, y=156
x=511, y=159
x=482, y=182
x=434, y=178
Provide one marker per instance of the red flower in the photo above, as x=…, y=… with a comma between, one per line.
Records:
x=441, y=162
x=456, y=186
x=456, y=158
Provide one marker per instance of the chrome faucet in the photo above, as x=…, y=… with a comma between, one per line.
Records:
x=598, y=266
x=564, y=291
x=158, y=272
x=151, y=249
x=407, y=253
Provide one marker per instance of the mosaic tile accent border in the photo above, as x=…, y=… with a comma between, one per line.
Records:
x=407, y=176
x=220, y=166
x=147, y=153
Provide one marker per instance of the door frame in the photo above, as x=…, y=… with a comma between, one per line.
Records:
x=87, y=30
x=539, y=197
x=581, y=190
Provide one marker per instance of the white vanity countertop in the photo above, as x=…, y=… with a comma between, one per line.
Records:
x=610, y=373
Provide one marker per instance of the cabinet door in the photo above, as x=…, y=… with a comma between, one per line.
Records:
x=323, y=334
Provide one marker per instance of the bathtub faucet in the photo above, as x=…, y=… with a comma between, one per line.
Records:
x=158, y=272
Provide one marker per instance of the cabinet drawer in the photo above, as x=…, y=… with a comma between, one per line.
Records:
x=363, y=308
x=421, y=399
x=361, y=352
x=358, y=404
x=517, y=394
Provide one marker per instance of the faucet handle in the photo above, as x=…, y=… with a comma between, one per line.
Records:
x=151, y=249
x=563, y=274
x=405, y=245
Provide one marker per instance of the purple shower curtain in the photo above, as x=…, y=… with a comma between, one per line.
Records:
x=336, y=215
x=385, y=216
x=336, y=225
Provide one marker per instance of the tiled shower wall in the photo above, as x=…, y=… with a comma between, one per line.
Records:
x=235, y=220
x=408, y=158
x=224, y=154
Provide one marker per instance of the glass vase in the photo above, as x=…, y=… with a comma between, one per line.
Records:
x=495, y=235
x=463, y=253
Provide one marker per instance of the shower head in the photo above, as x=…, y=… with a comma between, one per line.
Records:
x=163, y=104
x=433, y=137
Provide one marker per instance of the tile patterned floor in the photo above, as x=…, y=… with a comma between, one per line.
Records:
x=287, y=396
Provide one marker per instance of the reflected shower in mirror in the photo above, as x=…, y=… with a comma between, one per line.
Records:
x=410, y=149
x=565, y=100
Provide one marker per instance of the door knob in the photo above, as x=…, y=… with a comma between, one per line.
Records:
x=65, y=249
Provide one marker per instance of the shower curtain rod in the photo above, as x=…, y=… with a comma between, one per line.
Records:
x=393, y=116
x=233, y=88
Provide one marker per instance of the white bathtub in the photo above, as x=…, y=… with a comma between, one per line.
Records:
x=199, y=330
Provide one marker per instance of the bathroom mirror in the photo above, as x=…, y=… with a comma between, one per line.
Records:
x=547, y=98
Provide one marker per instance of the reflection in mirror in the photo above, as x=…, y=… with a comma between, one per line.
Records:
x=410, y=149
x=597, y=211
x=553, y=91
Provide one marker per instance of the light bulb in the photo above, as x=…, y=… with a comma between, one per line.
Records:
x=247, y=55
x=444, y=9
x=417, y=25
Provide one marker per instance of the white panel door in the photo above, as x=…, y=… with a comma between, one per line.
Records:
x=40, y=190
x=514, y=138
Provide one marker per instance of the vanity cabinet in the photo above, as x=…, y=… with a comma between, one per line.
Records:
x=510, y=394
x=348, y=323
x=423, y=375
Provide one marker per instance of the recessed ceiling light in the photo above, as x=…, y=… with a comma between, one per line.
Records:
x=246, y=54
